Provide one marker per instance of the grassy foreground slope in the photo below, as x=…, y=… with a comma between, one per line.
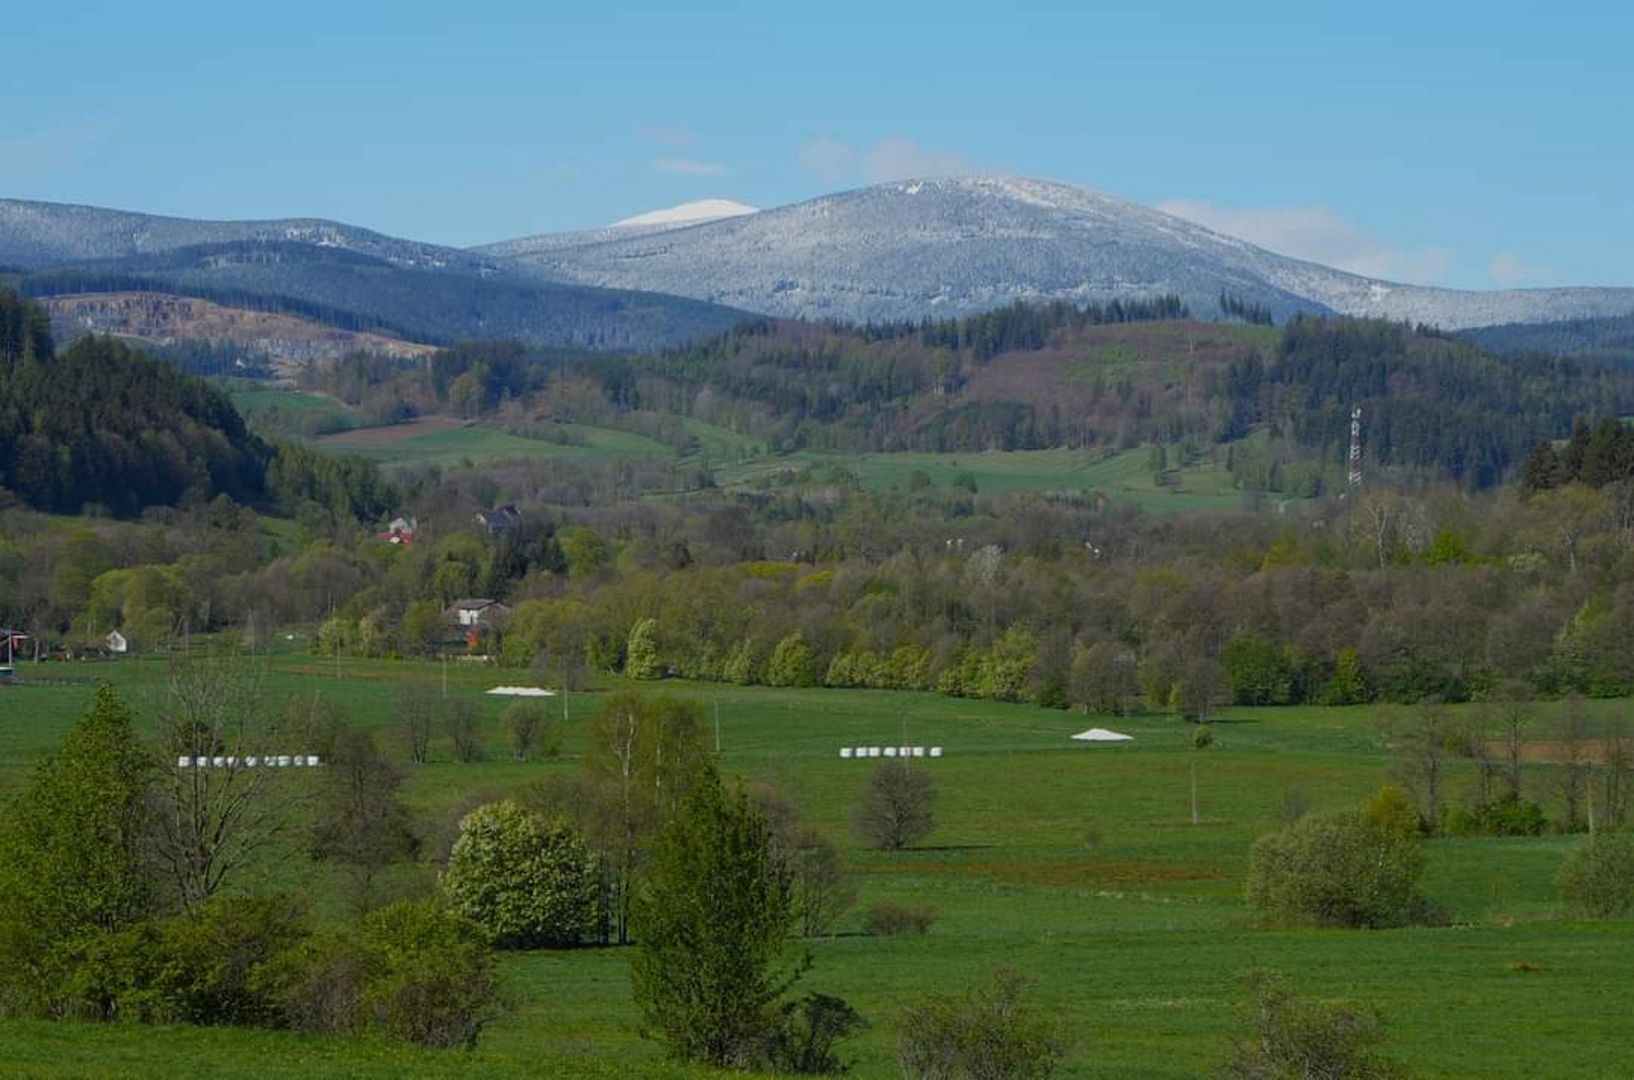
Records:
x=1075, y=863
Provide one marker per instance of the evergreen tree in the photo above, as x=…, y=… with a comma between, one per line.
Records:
x=712, y=923
x=71, y=864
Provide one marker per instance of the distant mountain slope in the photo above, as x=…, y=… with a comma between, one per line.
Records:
x=958, y=246
x=1608, y=340
x=34, y=235
x=350, y=278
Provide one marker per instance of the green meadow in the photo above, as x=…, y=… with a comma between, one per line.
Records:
x=477, y=444
x=739, y=461
x=1076, y=863
x=1125, y=476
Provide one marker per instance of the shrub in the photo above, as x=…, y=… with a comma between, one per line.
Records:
x=822, y=889
x=803, y=1035
x=207, y=975
x=412, y=970
x=1336, y=870
x=316, y=986
x=464, y=731
x=1289, y=1037
x=430, y=975
x=1597, y=879
x=526, y=882
x=889, y=918
x=529, y=727
x=895, y=809
x=987, y=1034
x=204, y=968
x=1507, y=816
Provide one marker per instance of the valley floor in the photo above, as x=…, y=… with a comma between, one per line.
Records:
x=1075, y=863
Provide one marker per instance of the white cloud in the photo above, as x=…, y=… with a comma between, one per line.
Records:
x=1510, y=271
x=680, y=166
x=898, y=158
x=895, y=157
x=1319, y=234
x=832, y=160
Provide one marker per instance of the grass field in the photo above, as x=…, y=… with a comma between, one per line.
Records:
x=439, y=441
x=741, y=461
x=292, y=412
x=1075, y=863
x=1126, y=476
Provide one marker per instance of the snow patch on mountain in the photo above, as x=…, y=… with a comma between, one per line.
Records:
x=690, y=213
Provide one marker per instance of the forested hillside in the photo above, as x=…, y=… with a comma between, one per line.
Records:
x=1607, y=340
x=102, y=424
x=362, y=292
x=1110, y=377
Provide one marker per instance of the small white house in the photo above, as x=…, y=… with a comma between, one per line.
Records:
x=116, y=643
x=477, y=613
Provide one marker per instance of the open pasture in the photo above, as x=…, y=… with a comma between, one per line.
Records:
x=1125, y=476
x=1075, y=863
x=448, y=442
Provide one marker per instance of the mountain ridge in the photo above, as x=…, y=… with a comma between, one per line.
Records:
x=961, y=245
x=330, y=269
x=901, y=251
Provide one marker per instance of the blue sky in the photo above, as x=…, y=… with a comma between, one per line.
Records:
x=1467, y=144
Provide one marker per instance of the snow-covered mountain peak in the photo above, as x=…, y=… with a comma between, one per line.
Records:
x=691, y=213
x=965, y=244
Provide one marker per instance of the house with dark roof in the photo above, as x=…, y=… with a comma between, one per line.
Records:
x=500, y=518
x=477, y=613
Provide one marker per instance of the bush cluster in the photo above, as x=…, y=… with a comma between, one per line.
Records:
x=988, y=1032
x=528, y=883
x=1597, y=879
x=1507, y=816
x=889, y=918
x=411, y=971
x=1347, y=869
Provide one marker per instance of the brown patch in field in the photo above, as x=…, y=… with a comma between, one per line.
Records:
x=390, y=434
x=1550, y=751
x=1080, y=875
x=1526, y=966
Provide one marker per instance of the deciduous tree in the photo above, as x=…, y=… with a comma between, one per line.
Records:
x=895, y=808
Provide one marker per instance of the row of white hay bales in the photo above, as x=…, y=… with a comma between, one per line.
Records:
x=890, y=751
x=251, y=761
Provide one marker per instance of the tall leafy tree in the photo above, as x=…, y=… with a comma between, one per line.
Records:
x=644, y=756
x=361, y=823
x=71, y=862
x=712, y=925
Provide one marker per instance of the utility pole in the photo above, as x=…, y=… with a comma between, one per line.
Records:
x=1356, y=447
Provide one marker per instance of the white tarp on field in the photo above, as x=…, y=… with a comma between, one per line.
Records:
x=521, y=691
x=1101, y=734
